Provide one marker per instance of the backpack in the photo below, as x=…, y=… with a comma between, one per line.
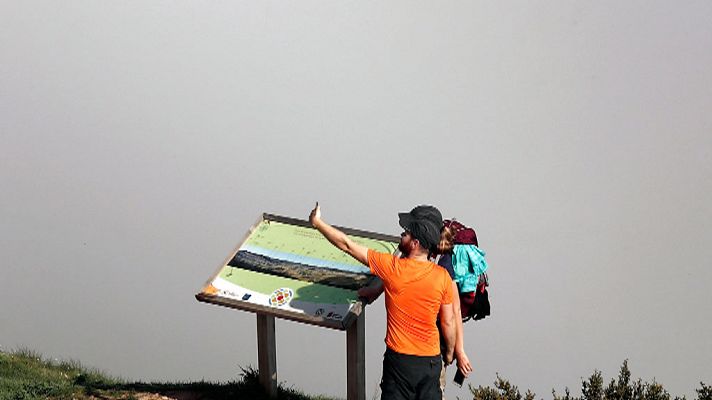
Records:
x=463, y=234
x=469, y=267
x=475, y=305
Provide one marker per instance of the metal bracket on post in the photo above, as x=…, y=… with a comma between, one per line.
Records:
x=267, y=354
x=356, y=358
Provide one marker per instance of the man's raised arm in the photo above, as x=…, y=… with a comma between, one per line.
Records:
x=338, y=238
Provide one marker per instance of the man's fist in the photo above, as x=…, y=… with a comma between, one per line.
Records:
x=315, y=214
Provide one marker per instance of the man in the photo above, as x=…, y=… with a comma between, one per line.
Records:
x=417, y=293
x=444, y=248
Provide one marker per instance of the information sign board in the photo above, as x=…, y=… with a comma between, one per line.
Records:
x=286, y=268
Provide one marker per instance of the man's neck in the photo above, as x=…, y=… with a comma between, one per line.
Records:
x=418, y=257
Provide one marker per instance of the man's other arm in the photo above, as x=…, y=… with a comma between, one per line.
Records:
x=338, y=238
x=449, y=330
x=463, y=362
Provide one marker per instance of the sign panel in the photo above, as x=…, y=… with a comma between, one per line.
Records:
x=286, y=268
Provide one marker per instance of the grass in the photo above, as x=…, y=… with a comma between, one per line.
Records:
x=25, y=375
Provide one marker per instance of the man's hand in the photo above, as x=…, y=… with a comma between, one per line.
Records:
x=338, y=238
x=370, y=293
x=463, y=363
x=315, y=215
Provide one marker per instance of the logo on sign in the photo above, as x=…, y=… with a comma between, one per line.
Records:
x=280, y=297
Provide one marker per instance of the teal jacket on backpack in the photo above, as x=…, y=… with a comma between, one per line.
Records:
x=468, y=263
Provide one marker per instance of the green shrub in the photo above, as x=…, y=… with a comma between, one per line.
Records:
x=592, y=388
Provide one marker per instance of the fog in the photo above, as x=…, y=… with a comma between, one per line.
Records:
x=140, y=140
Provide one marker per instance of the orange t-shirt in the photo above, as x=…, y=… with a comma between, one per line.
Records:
x=414, y=292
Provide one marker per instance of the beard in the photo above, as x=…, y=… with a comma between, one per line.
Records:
x=403, y=249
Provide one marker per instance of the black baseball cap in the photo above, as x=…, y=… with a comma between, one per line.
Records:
x=429, y=213
x=424, y=223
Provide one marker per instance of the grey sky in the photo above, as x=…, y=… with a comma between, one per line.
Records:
x=139, y=140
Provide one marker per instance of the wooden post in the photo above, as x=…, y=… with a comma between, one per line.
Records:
x=356, y=358
x=267, y=354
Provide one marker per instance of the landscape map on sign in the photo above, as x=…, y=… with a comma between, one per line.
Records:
x=293, y=268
